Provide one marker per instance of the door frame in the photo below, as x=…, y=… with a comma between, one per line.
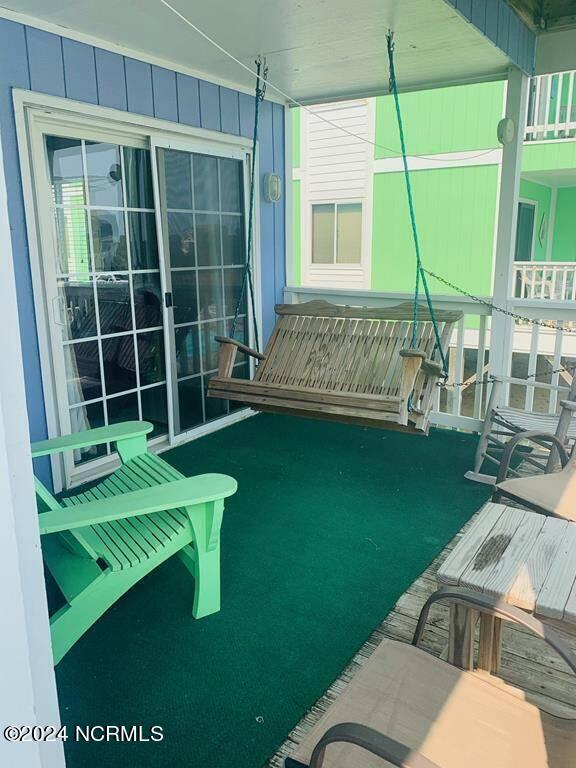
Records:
x=35, y=115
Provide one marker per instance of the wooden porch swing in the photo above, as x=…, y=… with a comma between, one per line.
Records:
x=376, y=367
x=352, y=364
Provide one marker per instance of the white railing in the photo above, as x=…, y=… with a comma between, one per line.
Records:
x=552, y=107
x=535, y=350
x=554, y=280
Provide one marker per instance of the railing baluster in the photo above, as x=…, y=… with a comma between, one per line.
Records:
x=553, y=402
x=458, y=368
x=532, y=363
x=553, y=284
x=569, y=104
x=481, y=354
x=564, y=282
x=560, y=77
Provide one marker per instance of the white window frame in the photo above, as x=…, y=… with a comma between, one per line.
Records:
x=335, y=263
x=37, y=114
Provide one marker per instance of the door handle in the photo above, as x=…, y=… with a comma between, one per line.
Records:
x=59, y=310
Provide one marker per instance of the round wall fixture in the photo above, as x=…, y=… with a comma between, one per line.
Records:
x=506, y=130
x=272, y=187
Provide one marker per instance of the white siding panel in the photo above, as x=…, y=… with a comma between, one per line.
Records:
x=336, y=166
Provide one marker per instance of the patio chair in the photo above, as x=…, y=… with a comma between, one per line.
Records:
x=99, y=543
x=552, y=494
x=409, y=709
x=503, y=422
x=350, y=364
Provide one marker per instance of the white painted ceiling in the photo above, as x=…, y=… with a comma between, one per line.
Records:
x=564, y=177
x=316, y=49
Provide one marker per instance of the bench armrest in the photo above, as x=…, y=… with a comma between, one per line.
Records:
x=126, y=430
x=536, y=437
x=173, y=495
x=491, y=606
x=240, y=346
x=369, y=739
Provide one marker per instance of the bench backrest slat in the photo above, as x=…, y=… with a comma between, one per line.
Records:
x=346, y=349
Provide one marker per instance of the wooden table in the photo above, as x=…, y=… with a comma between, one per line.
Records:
x=521, y=557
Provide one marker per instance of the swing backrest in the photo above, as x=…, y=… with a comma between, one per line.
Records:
x=318, y=345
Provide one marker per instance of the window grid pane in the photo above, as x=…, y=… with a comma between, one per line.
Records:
x=110, y=308
x=206, y=242
x=349, y=233
x=323, y=244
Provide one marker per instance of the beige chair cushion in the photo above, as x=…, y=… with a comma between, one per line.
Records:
x=554, y=493
x=456, y=719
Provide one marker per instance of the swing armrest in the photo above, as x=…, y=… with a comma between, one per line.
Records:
x=240, y=346
x=431, y=368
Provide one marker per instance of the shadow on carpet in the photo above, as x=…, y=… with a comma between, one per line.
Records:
x=330, y=525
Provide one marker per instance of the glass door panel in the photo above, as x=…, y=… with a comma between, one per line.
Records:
x=204, y=231
x=107, y=300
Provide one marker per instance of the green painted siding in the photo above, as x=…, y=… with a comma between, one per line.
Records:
x=453, y=119
x=455, y=210
x=564, y=243
x=295, y=137
x=296, y=235
x=549, y=156
x=542, y=195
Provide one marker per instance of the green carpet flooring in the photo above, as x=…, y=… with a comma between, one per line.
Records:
x=330, y=525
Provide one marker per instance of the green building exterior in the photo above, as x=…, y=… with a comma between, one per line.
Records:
x=451, y=136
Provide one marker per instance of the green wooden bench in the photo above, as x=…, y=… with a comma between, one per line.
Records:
x=99, y=543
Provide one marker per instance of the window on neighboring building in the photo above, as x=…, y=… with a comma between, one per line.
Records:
x=337, y=233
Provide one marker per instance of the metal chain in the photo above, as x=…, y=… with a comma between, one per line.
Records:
x=490, y=379
x=495, y=307
x=515, y=316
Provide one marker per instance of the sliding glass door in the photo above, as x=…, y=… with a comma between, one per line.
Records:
x=202, y=204
x=107, y=310
x=142, y=250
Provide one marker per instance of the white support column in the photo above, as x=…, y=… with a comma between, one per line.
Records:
x=502, y=326
x=28, y=688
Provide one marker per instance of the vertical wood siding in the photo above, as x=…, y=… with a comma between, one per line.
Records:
x=41, y=61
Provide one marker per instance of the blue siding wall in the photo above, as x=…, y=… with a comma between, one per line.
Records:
x=40, y=61
x=499, y=22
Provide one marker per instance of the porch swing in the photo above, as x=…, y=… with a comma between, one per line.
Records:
x=372, y=366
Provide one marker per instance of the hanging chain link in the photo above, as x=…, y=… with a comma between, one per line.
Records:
x=496, y=308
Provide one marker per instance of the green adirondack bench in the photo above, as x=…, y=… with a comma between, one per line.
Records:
x=99, y=543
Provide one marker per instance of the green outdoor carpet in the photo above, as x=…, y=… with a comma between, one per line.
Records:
x=330, y=525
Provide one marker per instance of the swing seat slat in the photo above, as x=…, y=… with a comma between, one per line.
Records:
x=351, y=364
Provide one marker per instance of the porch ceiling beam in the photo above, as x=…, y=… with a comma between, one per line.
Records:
x=556, y=52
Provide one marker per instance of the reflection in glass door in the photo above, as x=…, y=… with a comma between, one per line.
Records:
x=106, y=303
x=203, y=233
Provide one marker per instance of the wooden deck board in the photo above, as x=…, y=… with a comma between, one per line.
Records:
x=527, y=662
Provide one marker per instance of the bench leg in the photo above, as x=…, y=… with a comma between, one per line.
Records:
x=206, y=520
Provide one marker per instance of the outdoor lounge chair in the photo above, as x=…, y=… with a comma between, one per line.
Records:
x=100, y=543
x=504, y=422
x=553, y=493
x=410, y=709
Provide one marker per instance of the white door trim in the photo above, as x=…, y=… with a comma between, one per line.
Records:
x=37, y=113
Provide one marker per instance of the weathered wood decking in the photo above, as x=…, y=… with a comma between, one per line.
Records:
x=527, y=662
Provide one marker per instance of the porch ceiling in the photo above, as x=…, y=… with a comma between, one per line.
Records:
x=316, y=49
x=564, y=177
